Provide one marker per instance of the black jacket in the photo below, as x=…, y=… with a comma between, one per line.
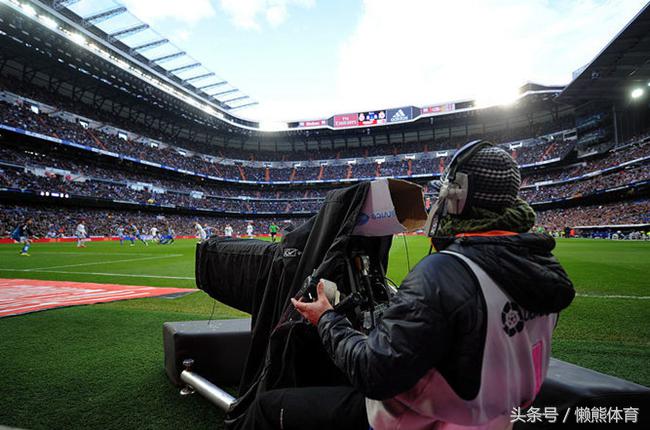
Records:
x=437, y=318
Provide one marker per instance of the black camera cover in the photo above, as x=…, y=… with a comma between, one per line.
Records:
x=286, y=351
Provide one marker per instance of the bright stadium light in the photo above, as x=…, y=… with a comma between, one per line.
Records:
x=504, y=94
x=636, y=93
x=273, y=126
x=78, y=38
x=28, y=9
x=48, y=22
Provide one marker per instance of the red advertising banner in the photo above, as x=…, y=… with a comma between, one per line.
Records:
x=347, y=120
x=360, y=119
x=313, y=123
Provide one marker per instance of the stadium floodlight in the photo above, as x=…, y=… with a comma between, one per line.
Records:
x=128, y=31
x=78, y=39
x=201, y=76
x=28, y=9
x=149, y=45
x=276, y=126
x=48, y=22
x=168, y=57
x=215, y=84
x=185, y=67
x=103, y=16
x=636, y=93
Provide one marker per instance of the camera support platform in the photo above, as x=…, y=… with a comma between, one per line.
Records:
x=197, y=383
x=198, y=356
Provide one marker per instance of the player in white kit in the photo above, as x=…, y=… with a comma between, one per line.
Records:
x=81, y=234
x=228, y=231
x=200, y=232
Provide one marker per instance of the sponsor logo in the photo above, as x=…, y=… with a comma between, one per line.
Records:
x=382, y=215
x=291, y=252
x=399, y=116
x=512, y=319
x=313, y=123
x=363, y=219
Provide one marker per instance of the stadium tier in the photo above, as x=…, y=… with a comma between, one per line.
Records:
x=38, y=168
x=428, y=160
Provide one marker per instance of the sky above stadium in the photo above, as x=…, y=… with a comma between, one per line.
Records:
x=309, y=59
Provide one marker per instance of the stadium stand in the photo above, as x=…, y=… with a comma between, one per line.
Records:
x=612, y=214
x=535, y=150
x=104, y=223
x=30, y=170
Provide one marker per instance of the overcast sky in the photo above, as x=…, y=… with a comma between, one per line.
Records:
x=309, y=59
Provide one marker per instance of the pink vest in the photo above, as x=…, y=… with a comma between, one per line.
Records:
x=515, y=361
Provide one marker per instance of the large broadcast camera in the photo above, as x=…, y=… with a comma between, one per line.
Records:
x=236, y=271
x=347, y=244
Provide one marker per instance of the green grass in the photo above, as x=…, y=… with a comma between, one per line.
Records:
x=101, y=366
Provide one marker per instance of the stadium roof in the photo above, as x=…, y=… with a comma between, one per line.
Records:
x=119, y=27
x=622, y=66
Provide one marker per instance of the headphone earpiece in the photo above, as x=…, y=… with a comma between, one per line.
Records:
x=455, y=186
x=457, y=192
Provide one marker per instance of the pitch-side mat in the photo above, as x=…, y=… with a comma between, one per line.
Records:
x=22, y=296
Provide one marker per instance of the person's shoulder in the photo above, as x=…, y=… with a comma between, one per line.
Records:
x=443, y=275
x=440, y=263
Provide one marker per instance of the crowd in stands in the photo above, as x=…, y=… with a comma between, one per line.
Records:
x=90, y=170
x=300, y=152
x=23, y=117
x=620, y=213
x=92, y=180
x=612, y=158
x=587, y=186
x=101, y=222
x=541, y=151
x=11, y=178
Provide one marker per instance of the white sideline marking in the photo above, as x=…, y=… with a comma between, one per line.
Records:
x=94, y=263
x=127, y=275
x=613, y=296
x=82, y=253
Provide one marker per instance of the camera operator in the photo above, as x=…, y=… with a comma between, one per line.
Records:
x=466, y=338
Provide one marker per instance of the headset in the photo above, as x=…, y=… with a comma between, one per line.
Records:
x=454, y=194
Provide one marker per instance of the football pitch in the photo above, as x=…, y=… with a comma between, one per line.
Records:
x=101, y=366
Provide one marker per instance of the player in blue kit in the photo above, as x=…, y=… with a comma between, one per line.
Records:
x=138, y=235
x=22, y=234
x=167, y=238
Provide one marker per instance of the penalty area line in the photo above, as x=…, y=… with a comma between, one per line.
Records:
x=126, y=275
x=95, y=263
